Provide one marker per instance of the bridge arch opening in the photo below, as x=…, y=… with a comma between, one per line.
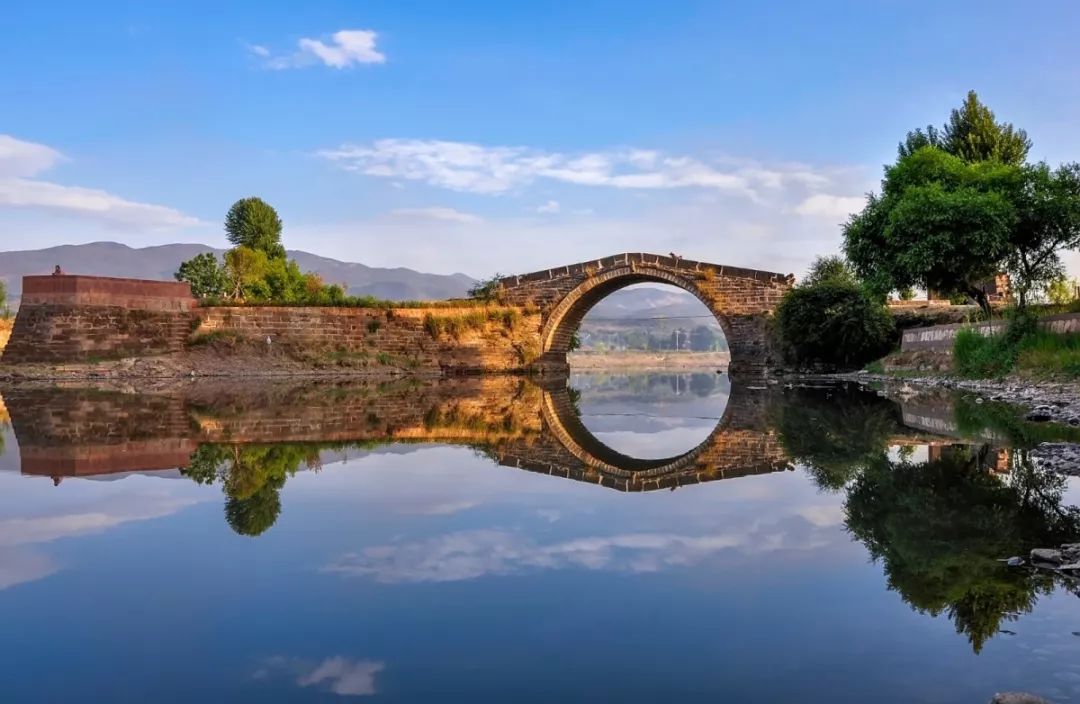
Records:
x=654, y=310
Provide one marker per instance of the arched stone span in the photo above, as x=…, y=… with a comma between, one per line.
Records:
x=741, y=299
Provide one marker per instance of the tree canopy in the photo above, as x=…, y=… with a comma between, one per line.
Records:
x=972, y=134
x=960, y=205
x=207, y=278
x=253, y=223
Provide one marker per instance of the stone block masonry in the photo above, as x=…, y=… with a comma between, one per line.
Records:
x=940, y=338
x=82, y=318
x=447, y=339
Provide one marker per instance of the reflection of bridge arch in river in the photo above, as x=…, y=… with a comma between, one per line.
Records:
x=79, y=433
x=741, y=444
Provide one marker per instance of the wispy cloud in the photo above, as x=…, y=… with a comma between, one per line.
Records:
x=21, y=161
x=830, y=206
x=437, y=213
x=344, y=49
x=473, y=554
x=549, y=208
x=475, y=168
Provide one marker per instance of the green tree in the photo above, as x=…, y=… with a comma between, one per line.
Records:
x=833, y=323
x=245, y=269
x=831, y=268
x=972, y=134
x=486, y=289
x=253, y=223
x=5, y=312
x=207, y=278
x=1047, y=205
x=940, y=223
x=1062, y=290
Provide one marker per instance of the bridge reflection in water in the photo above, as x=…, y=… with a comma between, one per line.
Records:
x=514, y=421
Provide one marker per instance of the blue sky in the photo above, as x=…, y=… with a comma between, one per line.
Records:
x=483, y=136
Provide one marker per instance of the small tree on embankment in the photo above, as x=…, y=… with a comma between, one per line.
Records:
x=831, y=322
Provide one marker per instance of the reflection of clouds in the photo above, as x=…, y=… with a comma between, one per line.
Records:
x=439, y=508
x=44, y=529
x=349, y=678
x=472, y=554
x=17, y=567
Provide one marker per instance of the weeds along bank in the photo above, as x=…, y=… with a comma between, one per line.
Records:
x=79, y=319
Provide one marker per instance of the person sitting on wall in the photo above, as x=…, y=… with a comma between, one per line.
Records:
x=58, y=271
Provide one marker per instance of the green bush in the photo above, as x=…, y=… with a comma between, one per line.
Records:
x=833, y=323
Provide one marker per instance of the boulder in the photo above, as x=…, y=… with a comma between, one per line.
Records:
x=1046, y=556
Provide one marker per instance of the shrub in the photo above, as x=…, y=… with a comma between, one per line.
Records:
x=835, y=324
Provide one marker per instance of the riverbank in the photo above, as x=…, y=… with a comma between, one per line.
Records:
x=648, y=361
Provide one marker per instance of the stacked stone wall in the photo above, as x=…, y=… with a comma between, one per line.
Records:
x=466, y=339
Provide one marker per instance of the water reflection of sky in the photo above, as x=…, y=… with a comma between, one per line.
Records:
x=667, y=417
x=431, y=574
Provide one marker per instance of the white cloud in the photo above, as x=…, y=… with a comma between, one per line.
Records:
x=438, y=213
x=346, y=48
x=476, y=168
x=550, y=207
x=825, y=205
x=344, y=677
x=21, y=161
x=472, y=554
x=19, y=158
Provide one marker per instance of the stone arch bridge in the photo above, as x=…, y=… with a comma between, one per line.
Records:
x=741, y=299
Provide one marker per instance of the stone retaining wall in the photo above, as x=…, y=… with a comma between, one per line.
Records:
x=466, y=339
x=939, y=338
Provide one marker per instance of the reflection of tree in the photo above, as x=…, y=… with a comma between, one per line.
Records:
x=834, y=432
x=941, y=527
x=255, y=514
x=252, y=477
x=702, y=384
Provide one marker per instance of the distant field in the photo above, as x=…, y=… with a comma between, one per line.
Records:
x=649, y=360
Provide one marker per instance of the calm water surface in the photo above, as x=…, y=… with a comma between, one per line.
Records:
x=638, y=538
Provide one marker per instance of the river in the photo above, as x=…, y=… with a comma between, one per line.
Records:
x=634, y=537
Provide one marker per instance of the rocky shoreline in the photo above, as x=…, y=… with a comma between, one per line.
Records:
x=1044, y=401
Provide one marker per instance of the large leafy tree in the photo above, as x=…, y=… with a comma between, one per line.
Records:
x=962, y=204
x=940, y=223
x=206, y=276
x=253, y=223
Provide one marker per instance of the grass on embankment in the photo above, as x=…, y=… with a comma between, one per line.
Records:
x=1022, y=348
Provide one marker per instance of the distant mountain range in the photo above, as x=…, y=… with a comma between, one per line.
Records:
x=114, y=259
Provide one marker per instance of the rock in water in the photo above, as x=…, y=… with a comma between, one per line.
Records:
x=1040, y=414
x=1046, y=555
x=1017, y=698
